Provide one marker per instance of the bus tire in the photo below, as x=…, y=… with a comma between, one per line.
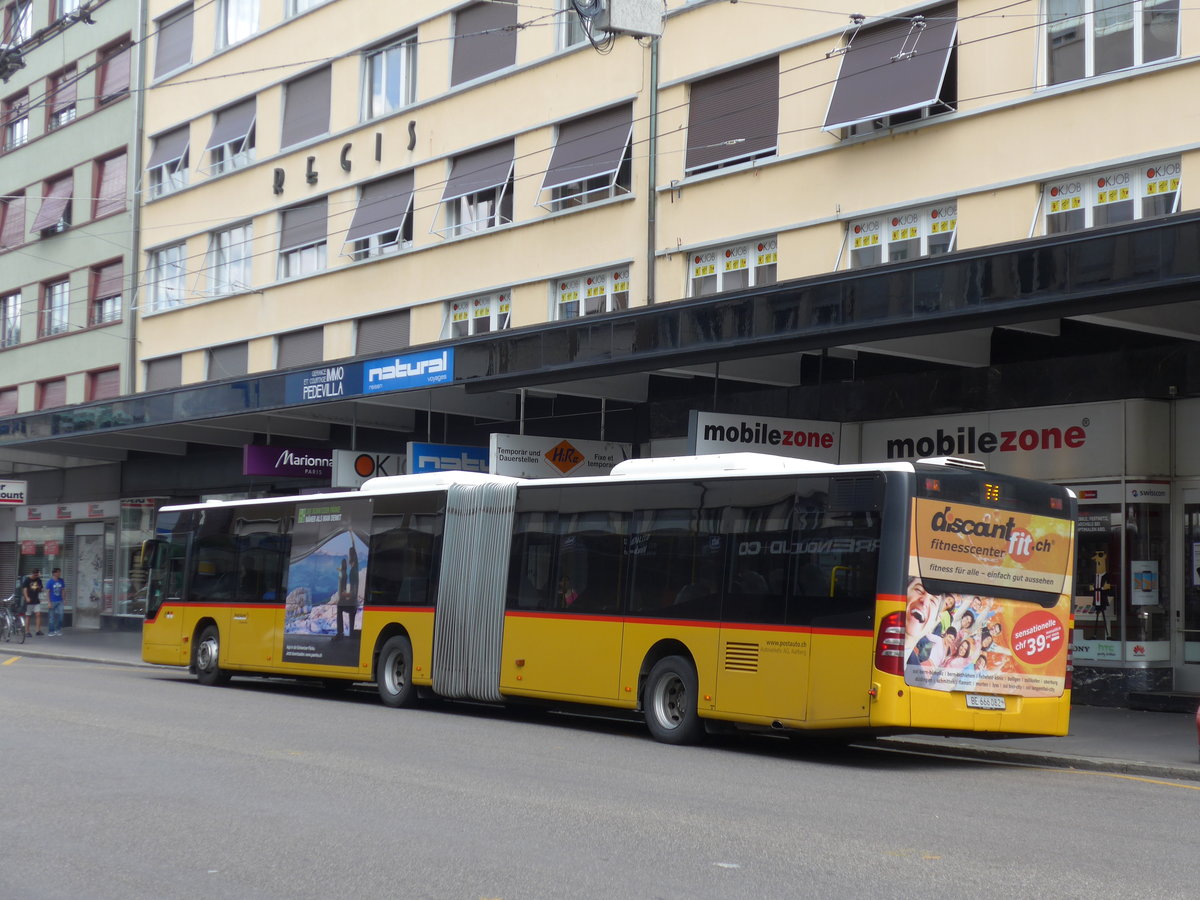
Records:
x=393, y=673
x=670, y=702
x=208, y=653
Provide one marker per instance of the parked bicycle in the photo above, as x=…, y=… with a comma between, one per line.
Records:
x=12, y=623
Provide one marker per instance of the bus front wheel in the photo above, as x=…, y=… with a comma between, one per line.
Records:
x=393, y=675
x=670, y=702
x=208, y=651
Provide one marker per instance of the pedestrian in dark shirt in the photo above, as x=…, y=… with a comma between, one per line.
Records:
x=31, y=593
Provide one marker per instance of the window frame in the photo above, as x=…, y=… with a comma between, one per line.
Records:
x=16, y=129
x=923, y=224
x=20, y=12
x=64, y=8
x=231, y=13
x=239, y=151
x=98, y=177
x=43, y=388
x=55, y=307
x=167, y=290
x=170, y=176
x=10, y=319
x=1140, y=22
x=607, y=289
x=406, y=72
x=106, y=56
x=106, y=309
x=1140, y=184
x=93, y=379
x=58, y=117
x=163, y=26
x=703, y=264
x=65, y=220
x=467, y=316
x=221, y=272
x=296, y=7
x=13, y=205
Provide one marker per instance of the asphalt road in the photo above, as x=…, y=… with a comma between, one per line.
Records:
x=131, y=783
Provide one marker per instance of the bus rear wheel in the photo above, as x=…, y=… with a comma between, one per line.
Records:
x=670, y=702
x=208, y=652
x=393, y=673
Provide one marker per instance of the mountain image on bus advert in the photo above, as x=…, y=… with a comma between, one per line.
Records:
x=1003, y=627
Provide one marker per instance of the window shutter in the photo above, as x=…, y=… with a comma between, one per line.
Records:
x=301, y=348
x=382, y=207
x=52, y=393
x=174, y=47
x=105, y=385
x=114, y=74
x=383, y=333
x=590, y=147
x=164, y=373
x=229, y=361
x=12, y=232
x=480, y=46
x=55, y=203
x=734, y=115
x=306, y=107
x=303, y=225
x=479, y=170
x=233, y=124
x=110, y=188
x=8, y=402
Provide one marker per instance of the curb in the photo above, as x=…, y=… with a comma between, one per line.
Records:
x=1133, y=768
x=22, y=650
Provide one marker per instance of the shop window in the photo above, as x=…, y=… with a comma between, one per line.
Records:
x=382, y=222
x=168, y=269
x=907, y=234
x=730, y=268
x=302, y=240
x=901, y=71
x=230, y=253
x=479, y=315
x=231, y=145
x=478, y=194
x=173, y=46
x=168, y=166
x=595, y=292
x=56, y=307
x=1091, y=37
x=112, y=81
x=1109, y=197
x=306, y=107
x=485, y=40
x=10, y=319
x=236, y=21
x=106, y=286
x=16, y=120
x=591, y=160
x=62, y=97
x=391, y=77
x=109, y=179
x=733, y=117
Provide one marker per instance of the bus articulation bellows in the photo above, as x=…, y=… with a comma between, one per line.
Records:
x=744, y=589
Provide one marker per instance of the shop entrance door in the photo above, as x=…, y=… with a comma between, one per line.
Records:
x=87, y=594
x=1187, y=673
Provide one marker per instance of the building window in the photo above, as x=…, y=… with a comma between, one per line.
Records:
x=384, y=333
x=485, y=40
x=110, y=181
x=908, y=234
x=305, y=347
x=231, y=145
x=56, y=307
x=55, y=213
x=592, y=160
x=382, y=222
x=10, y=319
x=62, y=97
x=1112, y=196
x=236, y=21
x=478, y=194
x=18, y=22
x=479, y=315
x=749, y=264
x=302, y=240
x=106, y=284
x=166, y=277
x=12, y=221
x=104, y=384
x=571, y=32
x=884, y=81
x=8, y=401
x=596, y=292
x=306, y=107
x=168, y=166
x=391, y=77
x=52, y=393
x=229, y=259
x=733, y=117
x=16, y=121
x=174, y=46
x=229, y=361
x=112, y=81
x=63, y=8
x=1091, y=37
x=295, y=7
x=163, y=373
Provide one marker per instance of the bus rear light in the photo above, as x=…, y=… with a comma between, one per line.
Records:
x=1069, y=677
x=889, y=648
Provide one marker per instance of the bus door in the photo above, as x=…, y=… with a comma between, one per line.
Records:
x=164, y=560
x=256, y=614
x=563, y=628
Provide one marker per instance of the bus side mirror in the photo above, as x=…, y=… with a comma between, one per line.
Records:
x=154, y=554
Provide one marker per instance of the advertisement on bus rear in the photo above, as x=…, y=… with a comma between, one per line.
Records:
x=983, y=641
x=327, y=577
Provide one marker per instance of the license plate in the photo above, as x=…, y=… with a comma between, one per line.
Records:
x=984, y=701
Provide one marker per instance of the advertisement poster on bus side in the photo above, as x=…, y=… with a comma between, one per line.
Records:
x=982, y=641
x=327, y=578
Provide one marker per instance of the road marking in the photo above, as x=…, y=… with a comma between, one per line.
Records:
x=10, y=660
x=1142, y=778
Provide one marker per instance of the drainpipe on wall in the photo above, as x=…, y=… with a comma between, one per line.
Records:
x=137, y=68
x=652, y=175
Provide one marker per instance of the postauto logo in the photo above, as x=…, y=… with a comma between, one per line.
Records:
x=968, y=440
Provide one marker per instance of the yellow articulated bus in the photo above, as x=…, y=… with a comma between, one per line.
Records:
x=743, y=589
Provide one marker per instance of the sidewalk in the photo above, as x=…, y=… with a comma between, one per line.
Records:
x=1132, y=742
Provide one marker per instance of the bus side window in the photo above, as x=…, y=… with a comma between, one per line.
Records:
x=531, y=563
